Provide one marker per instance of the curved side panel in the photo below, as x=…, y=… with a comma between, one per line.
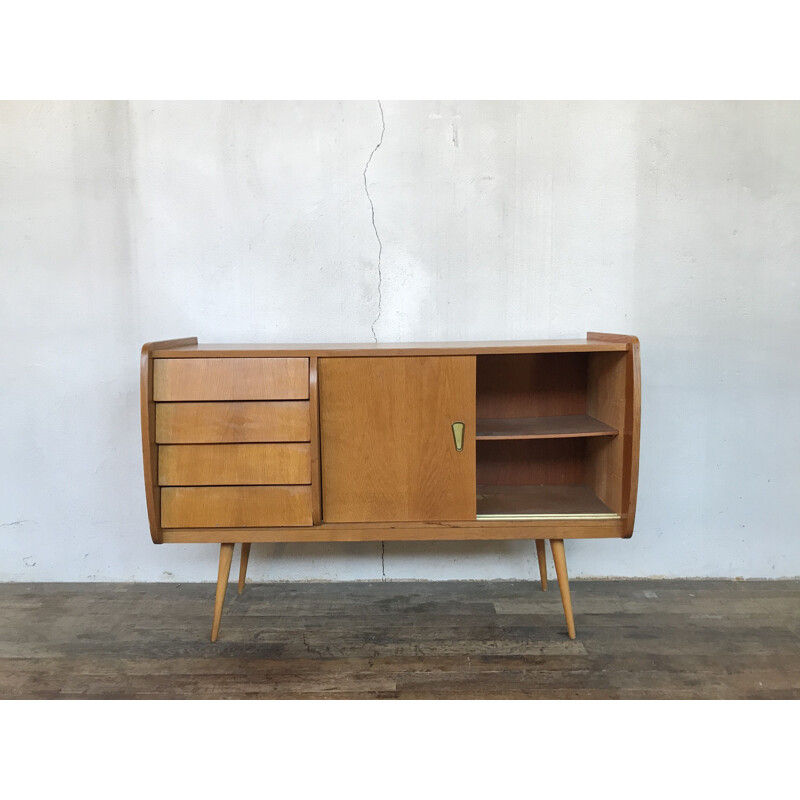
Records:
x=633, y=416
x=635, y=399
x=149, y=447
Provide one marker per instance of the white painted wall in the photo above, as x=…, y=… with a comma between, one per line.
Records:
x=678, y=222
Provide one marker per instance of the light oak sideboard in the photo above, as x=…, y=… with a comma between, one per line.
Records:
x=388, y=442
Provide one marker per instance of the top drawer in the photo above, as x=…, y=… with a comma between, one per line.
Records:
x=230, y=379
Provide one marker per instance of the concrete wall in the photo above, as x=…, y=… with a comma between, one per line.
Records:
x=127, y=222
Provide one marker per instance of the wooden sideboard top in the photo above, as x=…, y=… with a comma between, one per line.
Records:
x=589, y=345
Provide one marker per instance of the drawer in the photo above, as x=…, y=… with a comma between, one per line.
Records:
x=235, y=506
x=230, y=379
x=234, y=464
x=201, y=423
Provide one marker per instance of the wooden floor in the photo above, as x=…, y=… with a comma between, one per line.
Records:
x=636, y=639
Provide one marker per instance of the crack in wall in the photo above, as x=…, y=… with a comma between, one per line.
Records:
x=374, y=226
x=380, y=274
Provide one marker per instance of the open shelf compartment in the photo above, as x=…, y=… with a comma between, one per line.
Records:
x=548, y=443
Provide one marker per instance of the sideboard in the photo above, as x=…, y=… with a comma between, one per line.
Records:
x=386, y=442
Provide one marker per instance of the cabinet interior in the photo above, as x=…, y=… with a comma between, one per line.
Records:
x=549, y=434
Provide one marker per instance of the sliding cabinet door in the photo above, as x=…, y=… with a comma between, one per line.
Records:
x=389, y=448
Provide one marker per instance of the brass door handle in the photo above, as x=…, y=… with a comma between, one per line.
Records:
x=458, y=435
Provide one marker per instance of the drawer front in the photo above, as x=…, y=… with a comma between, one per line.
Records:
x=207, y=423
x=233, y=464
x=230, y=379
x=235, y=506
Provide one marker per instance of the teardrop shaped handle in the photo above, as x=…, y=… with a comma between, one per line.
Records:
x=458, y=435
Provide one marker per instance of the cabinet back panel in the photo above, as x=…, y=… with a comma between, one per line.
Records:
x=531, y=385
x=531, y=462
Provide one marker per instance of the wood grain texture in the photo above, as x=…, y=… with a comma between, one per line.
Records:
x=632, y=440
x=234, y=464
x=387, y=443
x=525, y=386
x=231, y=379
x=316, y=463
x=218, y=422
x=531, y=462
x=560, y=560
x=234, y=507
x=148, y=421
x=541, y=557
x=244, y=558
x=576, y=528
x=632, y=424
x=531, y=385
x=223, y=574
x=561, y=427
x=565, y=460
x=607, y=401
x=370, y=349
x=514, y=500
x=595, y=337
x=640, y=639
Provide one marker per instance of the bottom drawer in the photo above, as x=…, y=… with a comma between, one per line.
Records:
x=235, y=506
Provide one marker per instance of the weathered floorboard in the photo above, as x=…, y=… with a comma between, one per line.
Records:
x=636, y=639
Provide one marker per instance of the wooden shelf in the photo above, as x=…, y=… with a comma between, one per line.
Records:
x=562, y=427
x=523, y=502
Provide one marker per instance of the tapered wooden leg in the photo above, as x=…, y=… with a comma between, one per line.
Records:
x=225, y=558
x=557, y=546
x=542, y=555
x=243, y=565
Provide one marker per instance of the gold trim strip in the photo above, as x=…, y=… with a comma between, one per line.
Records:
x=545, y=516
